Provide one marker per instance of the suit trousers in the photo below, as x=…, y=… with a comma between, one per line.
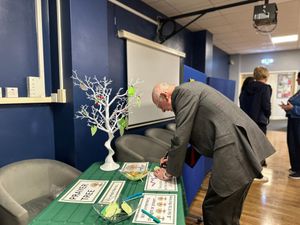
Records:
x=293, y=141
x=219, y=210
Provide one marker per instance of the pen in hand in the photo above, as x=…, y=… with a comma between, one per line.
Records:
x=164, y=163
x=155, y=219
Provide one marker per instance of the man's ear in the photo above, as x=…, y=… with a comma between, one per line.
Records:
x=164, y=95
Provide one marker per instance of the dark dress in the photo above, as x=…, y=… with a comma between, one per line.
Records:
x=255, y=100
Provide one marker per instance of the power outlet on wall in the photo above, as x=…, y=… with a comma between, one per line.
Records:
x=11, y=92
x=34, y=87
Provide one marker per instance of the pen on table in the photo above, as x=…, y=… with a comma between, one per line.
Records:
x=134, y=196
x=156, y=220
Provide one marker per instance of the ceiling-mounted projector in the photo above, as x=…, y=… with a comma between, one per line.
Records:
x=265, y=17
x=265, y=14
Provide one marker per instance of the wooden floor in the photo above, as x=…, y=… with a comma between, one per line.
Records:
x=276, y=202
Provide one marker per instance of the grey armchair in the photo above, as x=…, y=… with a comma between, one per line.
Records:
x=28, y=186
x=138, y=148
x=160, y=135
x=171, y=126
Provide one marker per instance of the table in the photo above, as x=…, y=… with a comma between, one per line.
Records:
x=61, y=213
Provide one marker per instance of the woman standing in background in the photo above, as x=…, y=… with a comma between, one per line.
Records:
x=255, y=99
x=292, y=109
x=246, y=82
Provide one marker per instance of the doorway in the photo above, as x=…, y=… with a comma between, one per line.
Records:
x=283, y=85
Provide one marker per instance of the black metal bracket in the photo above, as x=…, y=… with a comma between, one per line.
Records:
x=167, y=26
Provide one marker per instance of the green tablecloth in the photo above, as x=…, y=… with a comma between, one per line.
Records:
x=60, y=213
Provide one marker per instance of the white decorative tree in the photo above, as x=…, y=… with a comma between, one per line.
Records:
x=106, y=113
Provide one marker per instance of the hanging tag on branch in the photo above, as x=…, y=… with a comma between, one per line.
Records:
x=131, y=91
x=123, y=123
x=93, y=130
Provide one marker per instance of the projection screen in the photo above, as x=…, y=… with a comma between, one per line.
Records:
x=148, y=62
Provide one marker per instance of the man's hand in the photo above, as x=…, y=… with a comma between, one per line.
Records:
x=163, y=162
x=162, y=174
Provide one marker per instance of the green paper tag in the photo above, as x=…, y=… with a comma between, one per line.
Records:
x=131, y=91
x=93, y=130
x=121, y=129
x=123, y=123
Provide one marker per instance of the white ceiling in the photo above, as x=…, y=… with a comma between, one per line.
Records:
x=232, y=28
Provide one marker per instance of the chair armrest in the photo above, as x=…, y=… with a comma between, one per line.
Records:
x=60, y=173
x=129, y=156
x=11, y=212
x=60, y=176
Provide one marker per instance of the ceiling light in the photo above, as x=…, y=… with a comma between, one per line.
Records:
x=282, y=39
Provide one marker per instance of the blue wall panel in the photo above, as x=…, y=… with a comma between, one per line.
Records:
x=226, y=87
x=193, y=177
x=191, y=73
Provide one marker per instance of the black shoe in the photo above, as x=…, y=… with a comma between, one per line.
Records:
x=295, y=176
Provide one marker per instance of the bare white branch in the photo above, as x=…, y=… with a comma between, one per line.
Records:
x=100, y=112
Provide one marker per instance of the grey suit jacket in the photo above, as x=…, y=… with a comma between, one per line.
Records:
x=217, y=128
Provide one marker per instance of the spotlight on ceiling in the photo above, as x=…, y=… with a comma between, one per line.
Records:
x=265, y=17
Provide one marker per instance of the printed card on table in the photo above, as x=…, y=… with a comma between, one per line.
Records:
x=162, y=206
x=84, y=191
x=155, y=184
x=113, y=191
x=135, y=167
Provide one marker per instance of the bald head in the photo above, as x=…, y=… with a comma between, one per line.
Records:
x=161, y=96
x=158, y=89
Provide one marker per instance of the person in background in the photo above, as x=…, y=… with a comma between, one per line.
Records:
x=243, y=90
x=216, y=128
x=255, y=100
x=292, y=109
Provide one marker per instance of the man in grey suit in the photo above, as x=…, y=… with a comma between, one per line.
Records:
x=219, y=129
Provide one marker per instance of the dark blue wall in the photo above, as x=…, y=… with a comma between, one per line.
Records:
x=203, y=52
x=26, y=131
x=220, y=63
x=119, y=19
x=92, y=48
x=18, y=42
x=89, y=49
